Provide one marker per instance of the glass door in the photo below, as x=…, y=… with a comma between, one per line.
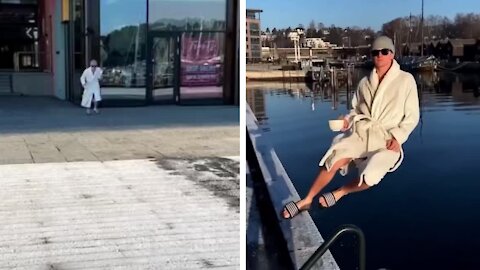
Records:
x=164, y=51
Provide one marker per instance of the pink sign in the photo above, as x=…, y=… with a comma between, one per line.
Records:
x=201, y=62
x=195, y=50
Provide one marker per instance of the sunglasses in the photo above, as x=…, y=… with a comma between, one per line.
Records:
x=383, y=51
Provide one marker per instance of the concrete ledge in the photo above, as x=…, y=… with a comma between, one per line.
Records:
x=277, y=75
x=267, y=85
x=300, y=234
x=32, y=83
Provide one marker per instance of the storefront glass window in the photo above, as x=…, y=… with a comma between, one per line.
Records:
x=123, y=49
x=19, y=39
x=191, y=15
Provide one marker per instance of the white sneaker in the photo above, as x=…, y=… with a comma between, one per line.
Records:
x=96, y=111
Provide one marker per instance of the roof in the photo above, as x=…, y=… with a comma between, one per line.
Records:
x=462, y=42
x=415, y=44
x=254, y=10
x=414, y=47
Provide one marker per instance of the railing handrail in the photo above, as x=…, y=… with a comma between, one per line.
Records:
x=324, y=247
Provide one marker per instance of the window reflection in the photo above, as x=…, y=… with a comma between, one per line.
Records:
x=123, y=48
x=181, y=15
x=79, y=39
x=79, y=49
x=163, y=52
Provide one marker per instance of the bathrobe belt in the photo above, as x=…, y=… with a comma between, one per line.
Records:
x=371, y=123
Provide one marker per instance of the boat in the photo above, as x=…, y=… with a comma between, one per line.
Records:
x=418, y=63
x=318, y=70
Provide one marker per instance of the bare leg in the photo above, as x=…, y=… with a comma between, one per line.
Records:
x=345, y=190
x=95, y=106
x=323, y=178
x=89, y=108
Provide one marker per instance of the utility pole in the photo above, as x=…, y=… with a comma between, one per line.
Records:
x=421, y=25
x=395, y=44
x=409, y=33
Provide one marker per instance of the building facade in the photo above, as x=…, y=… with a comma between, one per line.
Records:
x=315, y=43
x=151, y=51
x=253, y=42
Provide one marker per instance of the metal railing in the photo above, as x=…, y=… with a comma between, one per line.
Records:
x=324, y=247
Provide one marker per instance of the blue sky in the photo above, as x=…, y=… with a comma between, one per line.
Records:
x=363, y=13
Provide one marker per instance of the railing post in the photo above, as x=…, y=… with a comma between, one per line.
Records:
x=324, y=247
x=10, y=76
x=16, y=65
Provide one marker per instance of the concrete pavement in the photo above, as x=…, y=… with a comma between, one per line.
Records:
x=132, y=188
x=130, y=214
x=38, y=130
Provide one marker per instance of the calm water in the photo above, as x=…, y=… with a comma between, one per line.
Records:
x=426, y=215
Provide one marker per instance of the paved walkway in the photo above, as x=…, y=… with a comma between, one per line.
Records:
x=132, y=188
x=38, y=130
x=132, y=214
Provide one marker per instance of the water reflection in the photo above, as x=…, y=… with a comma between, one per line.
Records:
x=428, y=200
x=437, y=92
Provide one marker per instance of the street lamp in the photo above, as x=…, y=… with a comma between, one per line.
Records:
x=348, y=36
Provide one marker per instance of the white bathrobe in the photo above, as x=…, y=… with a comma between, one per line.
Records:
x=380, y=112
x=91, y=86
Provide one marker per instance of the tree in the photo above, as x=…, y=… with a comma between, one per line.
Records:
x=467, y=25
x=402, y=30
x=446, y=28
x=320, y=26
x=311, y=31
x=336, y=35
x=356, y=36
x=368, y=35
x=394, y=27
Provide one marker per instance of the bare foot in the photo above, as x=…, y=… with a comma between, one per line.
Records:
x=302, y=206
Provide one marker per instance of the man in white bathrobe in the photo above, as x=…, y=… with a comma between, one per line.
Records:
x=90, y=83
x=385, y=110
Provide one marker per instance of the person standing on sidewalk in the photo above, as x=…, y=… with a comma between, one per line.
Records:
x=91, y=86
